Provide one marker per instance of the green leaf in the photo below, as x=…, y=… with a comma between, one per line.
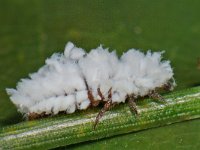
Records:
x=71, y=129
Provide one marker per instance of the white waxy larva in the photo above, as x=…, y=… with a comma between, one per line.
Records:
x=76, y=80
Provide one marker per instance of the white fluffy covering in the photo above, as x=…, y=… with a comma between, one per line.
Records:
x=60, y=84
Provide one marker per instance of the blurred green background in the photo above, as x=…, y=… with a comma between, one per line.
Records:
x=30, y=31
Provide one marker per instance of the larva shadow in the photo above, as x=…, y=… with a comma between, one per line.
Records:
x=13, y=119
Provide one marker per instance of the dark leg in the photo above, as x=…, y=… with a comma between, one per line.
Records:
x=110, y=94
x=155, y=95
x=132, y=105
x=93, y=102
x=100, y=94
x=105, y=108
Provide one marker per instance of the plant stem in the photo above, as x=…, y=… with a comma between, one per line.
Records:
x=64, y=130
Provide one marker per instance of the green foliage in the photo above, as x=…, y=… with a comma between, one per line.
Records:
x=75, y=128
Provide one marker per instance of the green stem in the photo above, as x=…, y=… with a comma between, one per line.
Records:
x=63, y=130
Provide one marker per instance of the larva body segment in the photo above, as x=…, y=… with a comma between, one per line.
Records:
x=76, y=80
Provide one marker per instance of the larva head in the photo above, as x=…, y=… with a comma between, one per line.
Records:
x=169, y=86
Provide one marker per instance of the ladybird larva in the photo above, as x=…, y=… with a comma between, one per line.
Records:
x=77, y=80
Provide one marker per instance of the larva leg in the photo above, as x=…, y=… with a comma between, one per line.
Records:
x=105, y=108
x=33, y=116
x=132, y=105
x=92, y=100
x=110, y=94
x=155, y=95
x=100, y=94
x=90, y=96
